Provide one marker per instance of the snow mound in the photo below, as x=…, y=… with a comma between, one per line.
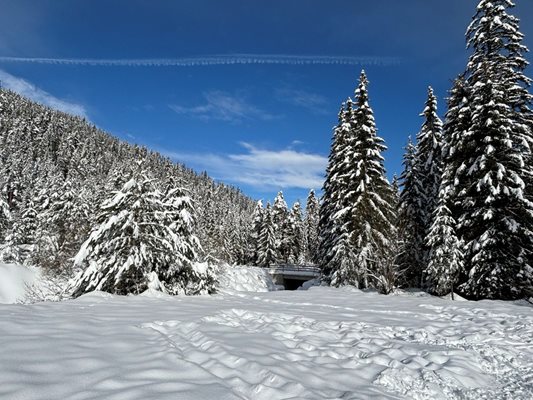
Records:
x=310, y=284
x=155, y=294
x=244, y=279
x=14, y=281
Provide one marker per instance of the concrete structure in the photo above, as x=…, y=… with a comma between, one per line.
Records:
x=293, y=276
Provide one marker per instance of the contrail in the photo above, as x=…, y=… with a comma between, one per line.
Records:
x=209, y=60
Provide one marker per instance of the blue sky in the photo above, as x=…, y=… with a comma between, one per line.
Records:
x=258, y=121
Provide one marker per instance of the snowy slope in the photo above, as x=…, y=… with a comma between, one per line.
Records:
x=318, y=344
x=14, y=280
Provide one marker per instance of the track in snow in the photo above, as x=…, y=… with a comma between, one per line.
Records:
x=323, y=343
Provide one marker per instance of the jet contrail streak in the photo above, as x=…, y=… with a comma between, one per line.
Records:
x=210, y=60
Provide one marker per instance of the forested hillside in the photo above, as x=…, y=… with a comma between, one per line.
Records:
x=57, y=169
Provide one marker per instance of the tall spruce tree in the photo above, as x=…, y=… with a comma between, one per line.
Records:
x=370, y=196
x=267, y=240
x=5, y=217
x=489, y=162
x=445, y=265
x=429, y=157
x=410, y=223
x=362, y=214
x=426, y=172
x=255, y=234
x=280, y=218
x=331, y=221
x=296, y=234
x=312, y=216
x=20, y=241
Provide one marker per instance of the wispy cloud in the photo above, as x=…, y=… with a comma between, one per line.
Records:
x=261, y=168
x=31, y=91
x=223, y=106
x=210, y=60
x=301, y=98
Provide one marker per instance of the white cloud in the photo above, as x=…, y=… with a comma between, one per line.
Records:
x=261, y=168
x=29, y=90
x=301, y=98
x=224, y=107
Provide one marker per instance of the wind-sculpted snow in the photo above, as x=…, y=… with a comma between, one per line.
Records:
x=318, y=344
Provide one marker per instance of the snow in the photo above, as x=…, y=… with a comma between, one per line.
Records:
x=14, y=280
x=243, y=279
x=322, y=343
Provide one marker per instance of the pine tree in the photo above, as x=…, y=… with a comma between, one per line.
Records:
x=358, y=199
x=179, y=216
x=68, y=213
x=20, y=241
x=396, y=189
x=5, y=217
x=426, y=171
x=370, y=197
x=446, y=269
x=296, y=235
x=255, y=234
x=267, y=240
x=312, y=216
x=429, y=157
x=280, y=218
x=446, y=256
x=488, y=164
x=143, y=240
x=331, y=239
x=410, y=223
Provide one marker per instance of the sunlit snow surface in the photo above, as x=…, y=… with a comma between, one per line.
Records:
x=318, y=344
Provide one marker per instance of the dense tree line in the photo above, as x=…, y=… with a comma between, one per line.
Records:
x=284, y=236
x=465, y=210
x=79, y=202
x=59, y=173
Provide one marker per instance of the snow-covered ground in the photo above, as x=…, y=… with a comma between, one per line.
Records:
x=14, y=282
x=318, y=344
x=243, y=279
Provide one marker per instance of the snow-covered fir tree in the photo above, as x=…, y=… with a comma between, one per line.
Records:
x=5, y=217
x=421, y=181
x=312, y=217
x=429, y=157
x=255, y=233
x=144, y=240
x=446, y=250
x=179, y=217
x=296, y=235
x=371, y=198
x=411, y=230
x=68, y=214
x=20, y=241
x=330, y=237
x=267, y=240
x=362, y=222
x=395, y=183
x=488, y=162
x=280, y=218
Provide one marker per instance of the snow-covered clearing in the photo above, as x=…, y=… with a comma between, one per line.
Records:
x=318, y=344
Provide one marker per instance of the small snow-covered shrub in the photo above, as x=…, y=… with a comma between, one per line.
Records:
x=197, y=279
